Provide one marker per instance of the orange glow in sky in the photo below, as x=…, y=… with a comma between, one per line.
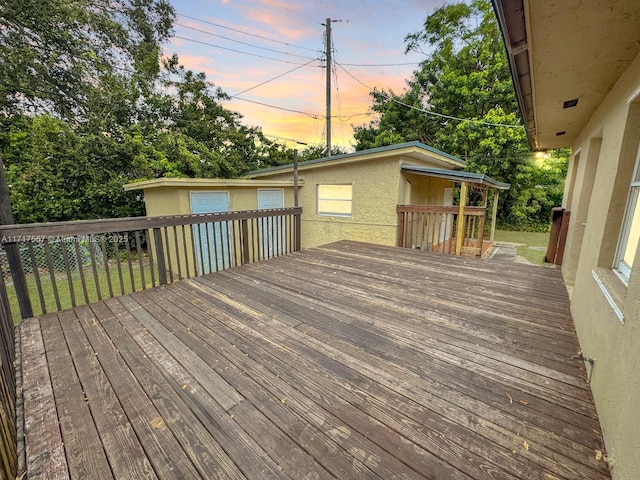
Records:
x=270, y=54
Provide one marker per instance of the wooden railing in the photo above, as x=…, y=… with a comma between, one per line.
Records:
x=52, y=266
x=437, y=228
x=72, y=263
x=8, y=431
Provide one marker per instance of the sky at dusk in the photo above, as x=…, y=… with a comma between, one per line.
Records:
x=267, y=52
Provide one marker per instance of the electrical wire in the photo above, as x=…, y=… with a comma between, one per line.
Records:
x=274, y=78
x=234, y=50
x=245, y=33
x=243, y=43
x=429, y=112
x=311, y=115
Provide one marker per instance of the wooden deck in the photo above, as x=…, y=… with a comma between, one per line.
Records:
x=346, y=361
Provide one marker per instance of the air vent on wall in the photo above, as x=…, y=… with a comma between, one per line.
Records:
x=559, y=134
x=570, y=103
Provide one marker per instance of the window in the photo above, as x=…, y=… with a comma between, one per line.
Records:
x=630, y=232
x=335, y=200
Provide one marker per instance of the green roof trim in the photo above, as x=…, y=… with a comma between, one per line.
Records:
x=347, y=156
x=456, y=175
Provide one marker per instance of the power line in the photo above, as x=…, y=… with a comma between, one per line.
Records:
x=241, y=42
x=246, y=33
x=274, y=78
x=235, y=51
x=430, y=112
x=380, y=64
x=312, y=115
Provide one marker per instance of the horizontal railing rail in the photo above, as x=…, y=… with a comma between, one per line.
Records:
x=65, y=264
x=437, y=228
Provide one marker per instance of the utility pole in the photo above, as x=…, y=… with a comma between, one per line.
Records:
x=328, y=93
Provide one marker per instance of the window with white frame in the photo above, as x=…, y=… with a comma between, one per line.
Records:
x=335, y=200
x=630, y=232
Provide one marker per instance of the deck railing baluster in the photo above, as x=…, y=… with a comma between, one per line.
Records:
x=167, y=251
x=186, y=254
x=83, y=282
x=36, y=276
x=94, y=268
x=127, y=248
x=175, y=241
x=118, y=264
x=105, y=259
x=52, y=274
x=140, y=260
x=65, y=256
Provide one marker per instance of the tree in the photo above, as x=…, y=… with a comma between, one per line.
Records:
x=81, y=113
x=313, y=152
x=55, y=55
x=461, y=100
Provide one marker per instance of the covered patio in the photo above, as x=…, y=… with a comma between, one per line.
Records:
x=445, y=227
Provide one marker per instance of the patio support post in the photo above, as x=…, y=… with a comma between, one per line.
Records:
x=460, y=229
x=494, y=214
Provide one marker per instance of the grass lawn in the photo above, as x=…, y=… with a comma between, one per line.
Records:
x=531, y=245
x=64, y=292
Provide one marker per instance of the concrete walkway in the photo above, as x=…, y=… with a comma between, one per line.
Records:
x=502, y=251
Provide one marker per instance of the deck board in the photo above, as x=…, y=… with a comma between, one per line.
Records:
x=345, y=361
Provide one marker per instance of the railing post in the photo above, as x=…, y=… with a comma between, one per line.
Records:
x=400, y=240
x=12, y=249
x=298, y=230
x=19, y=279
x=245, y=241
x=162, y=267
x=460, y=229
x=494, y=215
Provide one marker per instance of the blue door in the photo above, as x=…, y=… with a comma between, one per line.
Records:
x=214, y=240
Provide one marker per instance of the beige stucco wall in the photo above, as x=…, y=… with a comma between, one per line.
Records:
x=427, y=190
x=376, y=190
x=175, y=200
x=605, y=153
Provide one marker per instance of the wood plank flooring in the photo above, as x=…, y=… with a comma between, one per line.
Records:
x=348, y=361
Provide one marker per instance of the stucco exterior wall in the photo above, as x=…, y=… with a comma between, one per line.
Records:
x=604, y=157
x=376, y=190
x=427, y=190
x=175, y=200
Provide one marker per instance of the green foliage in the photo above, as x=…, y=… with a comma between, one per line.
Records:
x=54, y=173
x=54, y=54
x=313, y=152
x=88, y=107
x=466, y=76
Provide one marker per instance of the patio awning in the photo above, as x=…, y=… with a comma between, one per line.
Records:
x=456, y=176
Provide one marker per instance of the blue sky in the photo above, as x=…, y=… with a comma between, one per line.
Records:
x=244, y=45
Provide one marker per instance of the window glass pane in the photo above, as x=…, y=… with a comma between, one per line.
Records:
x=334, y=192
x=335, y=199
x=633, y=236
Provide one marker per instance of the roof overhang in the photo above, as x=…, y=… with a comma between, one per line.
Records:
x=563, y=52
x=209, y=183
x=478, y=179
x=409, y=150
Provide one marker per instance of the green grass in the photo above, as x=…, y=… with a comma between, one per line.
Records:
x=64, y=292
x=525, y=241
